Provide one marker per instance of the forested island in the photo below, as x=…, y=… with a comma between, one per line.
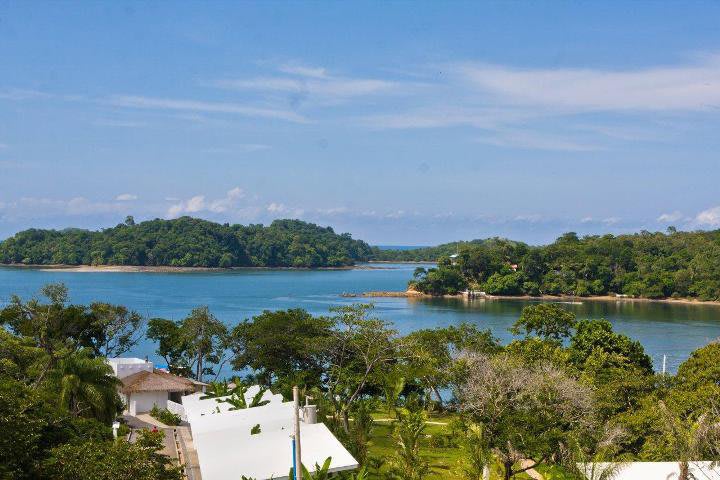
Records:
x=643, y=265
x=188, y=242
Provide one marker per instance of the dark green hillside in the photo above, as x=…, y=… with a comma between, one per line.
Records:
x=188, y=242
x=648, y=265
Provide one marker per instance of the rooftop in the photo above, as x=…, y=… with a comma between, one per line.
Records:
x=156, y=381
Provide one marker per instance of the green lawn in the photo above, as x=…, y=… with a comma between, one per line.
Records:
x=443, y=459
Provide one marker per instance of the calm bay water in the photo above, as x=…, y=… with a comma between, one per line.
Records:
x=671, y=329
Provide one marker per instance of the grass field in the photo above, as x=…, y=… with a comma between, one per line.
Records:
x=438, y=449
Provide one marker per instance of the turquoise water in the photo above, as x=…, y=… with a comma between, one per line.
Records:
x=670, y=329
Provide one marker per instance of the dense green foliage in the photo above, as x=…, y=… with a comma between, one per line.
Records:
x=647, y=265
x=58, y=396
x=188, y=242
x=566, y=391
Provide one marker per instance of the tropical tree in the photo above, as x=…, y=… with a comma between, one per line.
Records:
x=206, y=339
x=526, y=412
x=595, y=454
x=476, y=456
x=548, y=321
x=116, y=329
x=121, y=460
x=687, y=441
x=359, y=348
x=408, y=463
x=283, y=346
x=86, y=386
x=193, y=345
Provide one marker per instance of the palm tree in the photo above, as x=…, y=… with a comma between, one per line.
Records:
x=86, y=386
x=598, y=456
x=689, y=441
x=408, y=464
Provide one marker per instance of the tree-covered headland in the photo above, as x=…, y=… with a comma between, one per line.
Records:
x=646, y=265
x=438, y=403
x=188, y=242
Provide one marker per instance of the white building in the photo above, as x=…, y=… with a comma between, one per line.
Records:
x=227, y=448
x=651, y=470
x=144, y=387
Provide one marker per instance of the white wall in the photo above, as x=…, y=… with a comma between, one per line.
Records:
x=142, y=402
x=123, y=367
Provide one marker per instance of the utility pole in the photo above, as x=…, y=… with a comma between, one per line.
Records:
x=664, y=363
x=297, y=461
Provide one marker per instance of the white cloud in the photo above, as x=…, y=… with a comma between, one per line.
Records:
x=513, y=105
x=533, y=141
x=241, y=148
x=445, y=116
x=19, y=94
x=530, y=218
x=134, y=101
x=709, y=217
x=126, y=197
x=120, y=123
x=670, y=217
x=276, y=208
x=679, y=87
x=314, y=84
x=35, y=207
x=303, y=70
x=198, y=203
x=224, y=204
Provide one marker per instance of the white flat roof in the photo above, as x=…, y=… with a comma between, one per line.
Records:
x=228, y=454
x=227, y=450
x=658, y=470
x=195, y=407
x=126, y=360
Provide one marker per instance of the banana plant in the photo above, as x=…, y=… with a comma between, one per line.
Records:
x=216, y=390
x=257, y=400
x=320, y=473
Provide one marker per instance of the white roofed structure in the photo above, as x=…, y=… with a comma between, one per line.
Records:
x=654, y=470
x=227, y=449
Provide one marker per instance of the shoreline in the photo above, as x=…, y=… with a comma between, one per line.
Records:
x=561, y=298
x=166, y=269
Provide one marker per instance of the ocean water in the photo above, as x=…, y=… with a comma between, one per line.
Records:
x=673, y=330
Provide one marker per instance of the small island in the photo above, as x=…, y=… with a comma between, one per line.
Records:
x=187, y=243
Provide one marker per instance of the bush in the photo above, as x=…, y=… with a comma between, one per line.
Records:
x=165, y=416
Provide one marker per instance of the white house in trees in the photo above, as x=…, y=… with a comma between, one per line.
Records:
x=144, y=386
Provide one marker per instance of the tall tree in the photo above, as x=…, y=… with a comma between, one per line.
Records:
x=281, y=346
x=86, y=386
x=688, y=441
x=526, y=412
x=360, y=346
x=206, y=340
x=548, y=321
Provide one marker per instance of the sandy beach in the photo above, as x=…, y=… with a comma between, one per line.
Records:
x=168, y=269
x=553, y=298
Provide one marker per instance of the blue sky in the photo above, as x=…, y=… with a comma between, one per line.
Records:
x=400, y=122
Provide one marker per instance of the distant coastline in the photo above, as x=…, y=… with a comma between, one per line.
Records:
x=563, y=298
x=165, y=269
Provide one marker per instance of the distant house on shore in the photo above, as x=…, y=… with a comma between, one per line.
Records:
x=144, y=386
